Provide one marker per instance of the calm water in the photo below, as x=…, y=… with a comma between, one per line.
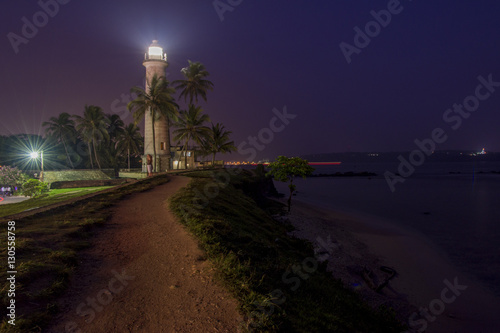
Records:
x=460, y=213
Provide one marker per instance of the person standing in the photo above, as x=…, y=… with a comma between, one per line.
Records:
x=149, y=164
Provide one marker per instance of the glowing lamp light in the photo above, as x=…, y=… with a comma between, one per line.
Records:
x=34, y=155
x=156, y=52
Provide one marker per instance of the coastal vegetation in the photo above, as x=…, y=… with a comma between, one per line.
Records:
x=62, y=130
x=218, y=141
x=191, y=128
x=279, y=283
x=191, y=125
x=195, y=83
x=129, y=141
x=285, y=169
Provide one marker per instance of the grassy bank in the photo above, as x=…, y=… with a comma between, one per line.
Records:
x=46, y=253
x=279, y=283
x=52, y=197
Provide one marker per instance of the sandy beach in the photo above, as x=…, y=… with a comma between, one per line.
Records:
x=428, y=292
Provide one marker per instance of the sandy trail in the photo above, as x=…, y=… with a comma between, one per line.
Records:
x=145, y=273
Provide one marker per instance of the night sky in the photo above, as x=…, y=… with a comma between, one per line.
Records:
x=266, y=55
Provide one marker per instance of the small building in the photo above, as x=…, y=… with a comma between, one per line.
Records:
x=183, y=159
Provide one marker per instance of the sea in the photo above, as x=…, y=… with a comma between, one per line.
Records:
x=455, y=205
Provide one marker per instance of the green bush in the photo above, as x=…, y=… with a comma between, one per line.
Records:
x=34, y=188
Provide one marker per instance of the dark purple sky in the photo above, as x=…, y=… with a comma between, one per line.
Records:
x=265, y=55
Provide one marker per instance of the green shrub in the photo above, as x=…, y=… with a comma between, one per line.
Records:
x=34, y=188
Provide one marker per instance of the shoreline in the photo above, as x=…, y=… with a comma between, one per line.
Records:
x=363, y=244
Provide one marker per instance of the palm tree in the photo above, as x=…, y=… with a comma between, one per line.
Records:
x=115, y=126
x=190, y=128
x=218, y=141
x=130, y=141
x=62, y=128
x=195, y=83
x=160, y=104
x=93, y=127
x=110, y=157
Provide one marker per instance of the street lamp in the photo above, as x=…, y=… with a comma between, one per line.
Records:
x=34, y=155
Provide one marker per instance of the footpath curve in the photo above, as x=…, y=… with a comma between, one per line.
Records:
x=145, y=273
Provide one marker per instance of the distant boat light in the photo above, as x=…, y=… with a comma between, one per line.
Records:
x=324, y=163
x=310, y=163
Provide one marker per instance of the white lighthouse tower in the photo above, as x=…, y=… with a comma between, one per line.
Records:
x=155, y=62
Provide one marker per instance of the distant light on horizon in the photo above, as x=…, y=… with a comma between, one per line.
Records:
x=267, y=163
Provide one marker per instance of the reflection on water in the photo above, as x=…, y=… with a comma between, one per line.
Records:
x=458, y=212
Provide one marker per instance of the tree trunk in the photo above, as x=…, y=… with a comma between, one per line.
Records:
x=185, y=155
x=291, y=193
x=168, y=143
x=95, y=154
x=67, y=154
x=213, y=160
x=154, y=141
x=90, y=155
x=128, y=155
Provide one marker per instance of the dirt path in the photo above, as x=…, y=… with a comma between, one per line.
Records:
x=145, y=273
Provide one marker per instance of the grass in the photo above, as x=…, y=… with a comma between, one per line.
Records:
x=279, y=284
x=47, y=249
x=52, y=197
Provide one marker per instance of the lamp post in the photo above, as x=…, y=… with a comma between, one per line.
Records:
x=34, y=155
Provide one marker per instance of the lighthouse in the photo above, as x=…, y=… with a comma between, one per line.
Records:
x=155, y=62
